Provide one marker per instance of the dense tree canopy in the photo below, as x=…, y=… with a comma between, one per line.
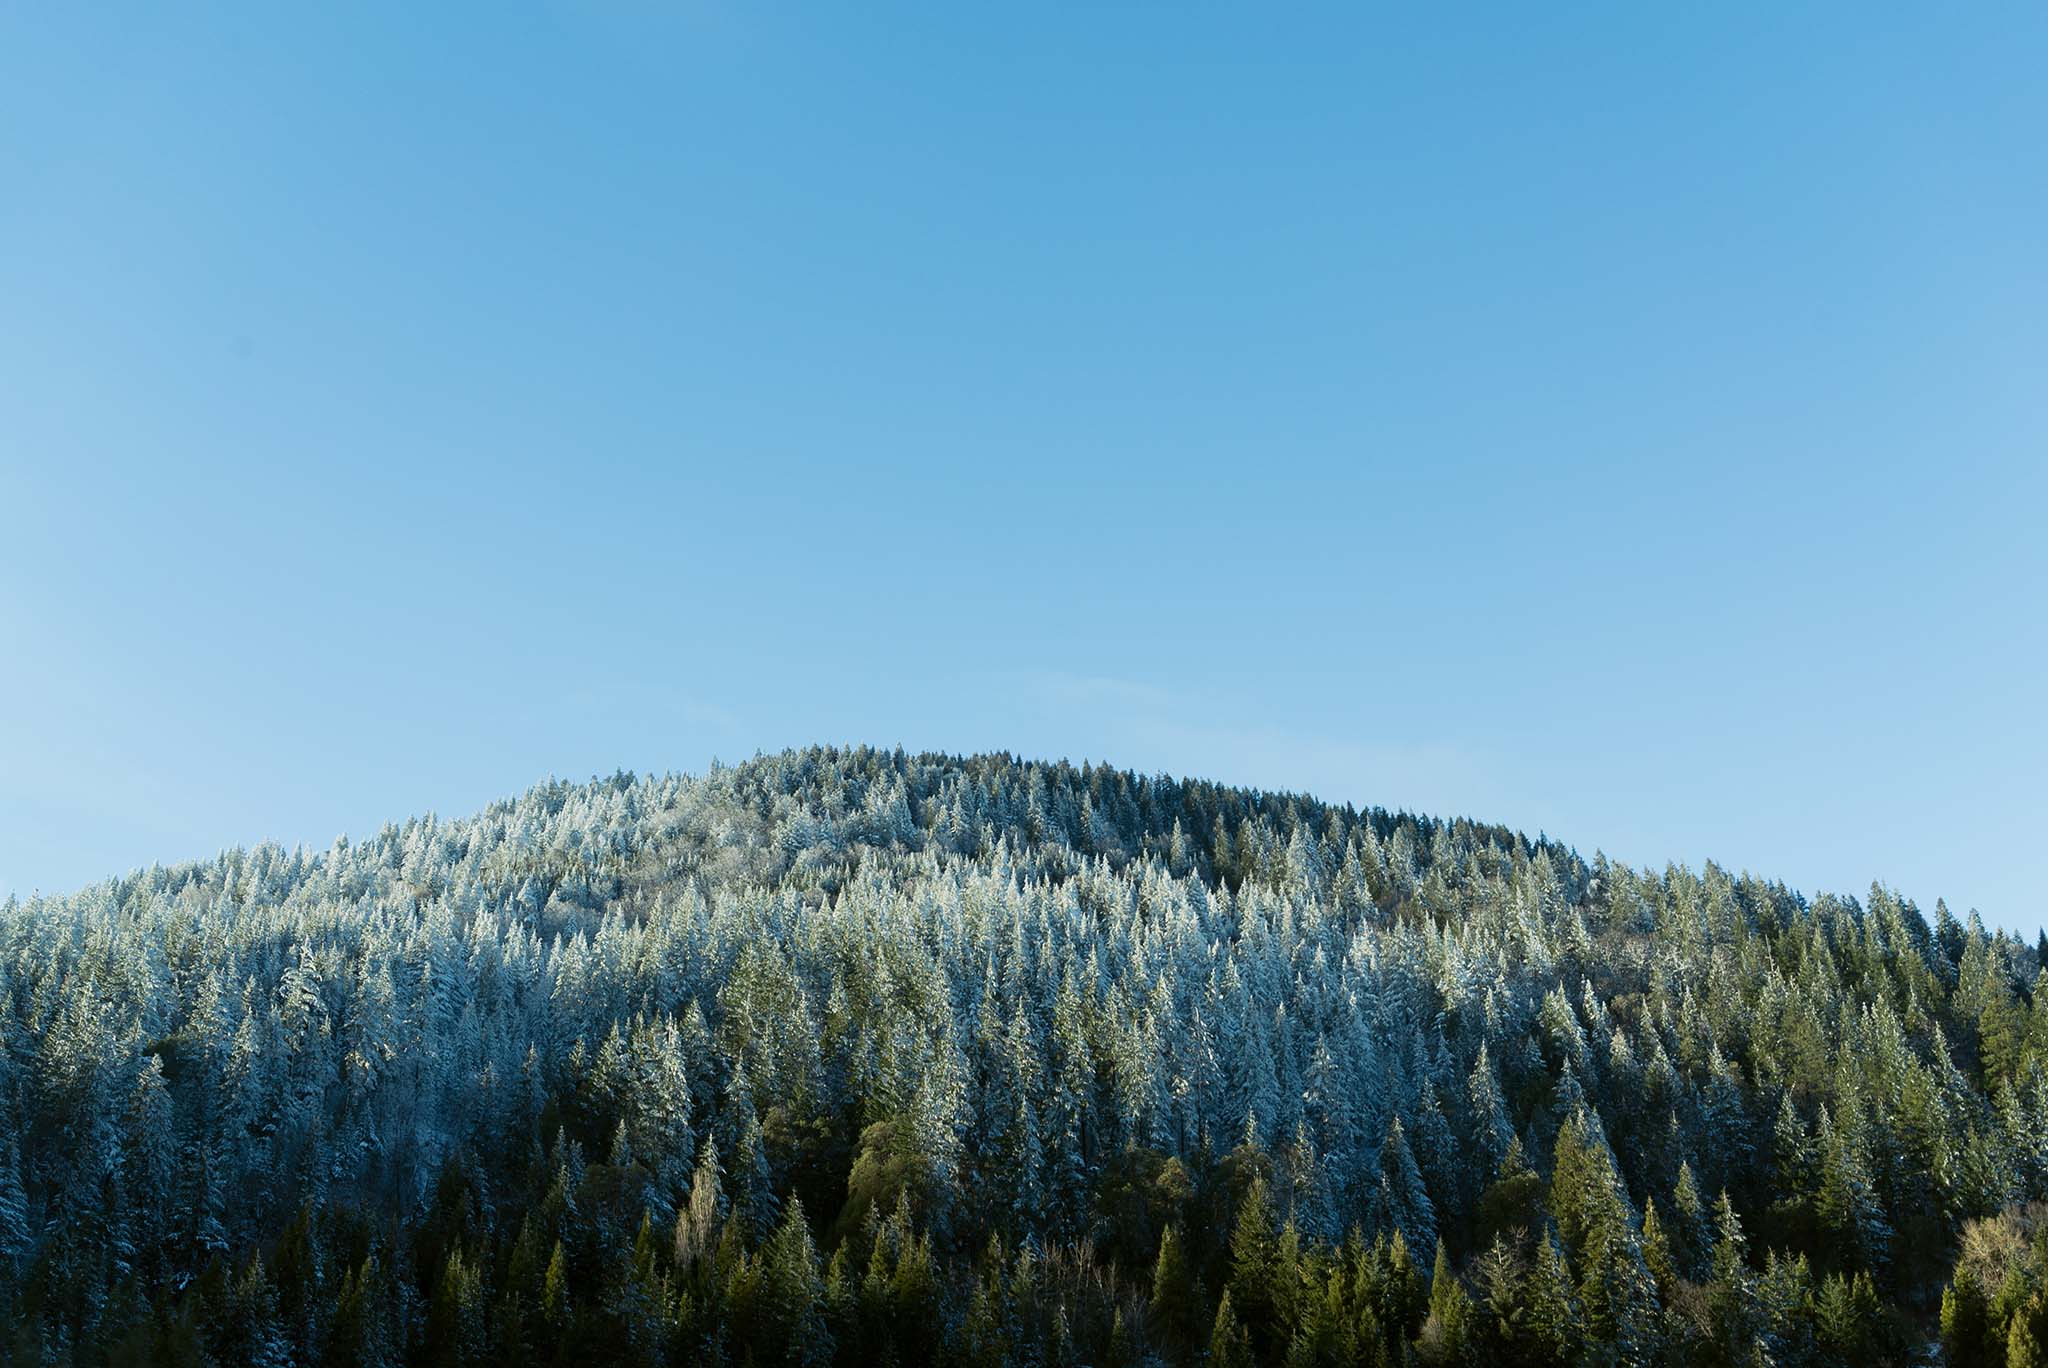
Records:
x=867, y=1057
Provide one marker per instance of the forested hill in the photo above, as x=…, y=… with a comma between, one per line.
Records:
x=866, y=1057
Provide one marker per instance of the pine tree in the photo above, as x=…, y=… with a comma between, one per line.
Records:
x=1254, y=1261
x=1791, y=1152
x=1846, y=1315
x=1288, y=1279
x=1553, y=1318
x=2026, y=1340
x=1658, y=1256
x=1448, y=1331
x=455, y=1317
x=756, y=1203
x=1492, y=1132
x=1122, y=1350
x=1694, y=1232
x=1965, y=1324
x=15, y=1240
x=1731, y=1294
x=1230, y=1346
x=1847, y=1203
x=793, y=1290
x=1175, y=1297
x=245, y=1327
x=1023, y=1035
x=914, y=1291
x=554, y=1291
x=1406, y=1200
x=698, y=1223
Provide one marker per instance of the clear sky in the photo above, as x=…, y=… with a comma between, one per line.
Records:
x=1629, y=422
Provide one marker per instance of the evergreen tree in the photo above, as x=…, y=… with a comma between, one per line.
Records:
x=1405, y=1201
x=1175, y=1295
x=347, y=1106
x=1965, y=1324
x=1658, y=1255
x=455, y=1317
x=1255, y=1261
x=1847, y=1316
x=554, y=1292
x=2026, y=1340
x=1553, y=1328
x=15, y=1240
x=1448, y=1331
x=793, y=1290
x=1731, y=1294
x=1230, y=1345
x=697, y=1224
x=1695, y=1233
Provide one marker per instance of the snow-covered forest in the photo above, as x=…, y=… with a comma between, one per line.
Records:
x=854, y=1056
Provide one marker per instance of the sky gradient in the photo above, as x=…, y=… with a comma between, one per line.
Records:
x=1619, y=423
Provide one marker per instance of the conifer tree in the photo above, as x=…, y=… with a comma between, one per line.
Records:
x=455, y=1317
x=1694, y=1236
x=15, y=1241
x=1658, y=1255
x=1230, y=1346
x=1846, y=1315
x=1731, y=1294
x=2026, y=1340
x=793, y=1290
x=1175, y=1296
x=1405, y=1199
x=554, y=1292
x=1448, y=1331
x=697, y=1224
x=1254, y=1261
x=1553, y=1328
x=1965, y=1324
x=388, y=1069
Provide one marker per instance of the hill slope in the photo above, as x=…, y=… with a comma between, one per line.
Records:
x=859, y=1056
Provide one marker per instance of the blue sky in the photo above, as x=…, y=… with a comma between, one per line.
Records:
x=1608, y=420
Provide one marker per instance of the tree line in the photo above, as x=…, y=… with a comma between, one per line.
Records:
x=857, y=1056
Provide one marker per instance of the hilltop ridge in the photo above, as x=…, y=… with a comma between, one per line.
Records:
x=842, y=1054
